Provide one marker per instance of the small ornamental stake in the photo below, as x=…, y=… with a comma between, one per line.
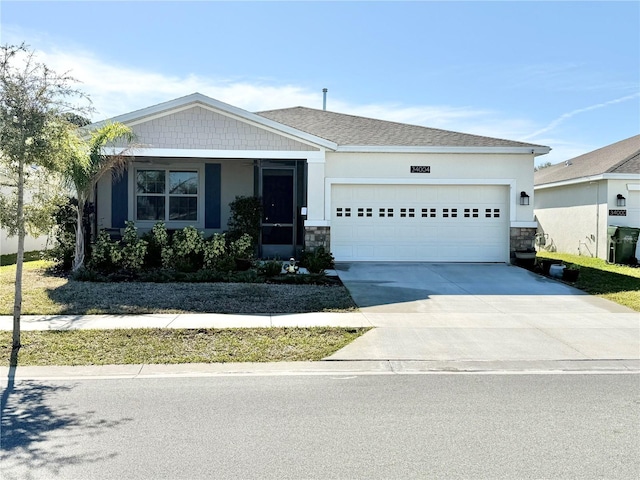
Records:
x=291, y=267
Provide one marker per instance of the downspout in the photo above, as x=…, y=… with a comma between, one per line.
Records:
x=597, y=216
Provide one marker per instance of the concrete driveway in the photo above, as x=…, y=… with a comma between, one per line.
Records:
x=482, y=312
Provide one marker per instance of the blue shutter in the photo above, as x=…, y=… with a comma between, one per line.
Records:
x=119, y=200
x=212, y=173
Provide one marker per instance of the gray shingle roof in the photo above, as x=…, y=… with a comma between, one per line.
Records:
x=345, y=129
x=619, y=157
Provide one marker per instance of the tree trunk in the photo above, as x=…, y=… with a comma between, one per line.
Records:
x=17, y=299
x=78, y=260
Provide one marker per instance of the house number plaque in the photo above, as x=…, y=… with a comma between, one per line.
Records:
x=420, y=169
x=617, y=213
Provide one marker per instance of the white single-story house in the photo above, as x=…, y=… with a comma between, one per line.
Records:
x=366, y=189
x=9, y=244
x=577, y=200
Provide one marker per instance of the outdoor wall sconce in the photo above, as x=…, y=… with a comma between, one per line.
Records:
x=621, y=201
x=524, y=198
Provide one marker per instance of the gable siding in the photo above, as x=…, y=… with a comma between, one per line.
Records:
x=199, y=128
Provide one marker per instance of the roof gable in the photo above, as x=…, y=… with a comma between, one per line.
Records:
x=201, y=128
x=620, y=157
x=188, y=119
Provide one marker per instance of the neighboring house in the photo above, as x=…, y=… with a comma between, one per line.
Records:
x=366, y=189
x=575, y=201
x=9, y=245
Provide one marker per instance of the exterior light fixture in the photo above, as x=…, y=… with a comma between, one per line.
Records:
x=621, y=201
x=524, y=198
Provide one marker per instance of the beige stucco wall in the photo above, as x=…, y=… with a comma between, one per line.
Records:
x=200, y=128
x=630, y=189
x=236, y=179
x=575, y=217
x=515, y=171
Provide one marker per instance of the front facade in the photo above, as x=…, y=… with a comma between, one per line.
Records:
x=577, y=200
x=366, y=189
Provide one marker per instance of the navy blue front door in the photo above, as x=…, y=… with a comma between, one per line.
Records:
x=278, y=219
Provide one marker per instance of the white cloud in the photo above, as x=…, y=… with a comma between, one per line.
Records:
x=566, y=116
x=116, y=89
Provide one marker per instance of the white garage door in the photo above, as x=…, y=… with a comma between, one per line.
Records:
x=434, y=223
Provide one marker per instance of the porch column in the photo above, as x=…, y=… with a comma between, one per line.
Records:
x=316, y=226
x=315, y=190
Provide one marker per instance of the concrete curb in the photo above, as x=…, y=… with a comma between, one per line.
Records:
x=367, y=367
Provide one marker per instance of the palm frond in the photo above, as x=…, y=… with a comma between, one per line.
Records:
x=115, y=135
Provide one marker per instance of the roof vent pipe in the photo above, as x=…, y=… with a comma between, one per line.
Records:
x=324, y=99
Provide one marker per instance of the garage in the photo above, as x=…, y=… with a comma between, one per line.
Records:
x=433, y=223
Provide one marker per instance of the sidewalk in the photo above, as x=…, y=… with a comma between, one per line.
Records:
x=185, y=320
x=427, y=317
x=400, y=343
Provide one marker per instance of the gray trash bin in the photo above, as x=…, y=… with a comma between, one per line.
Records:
x=622, y=243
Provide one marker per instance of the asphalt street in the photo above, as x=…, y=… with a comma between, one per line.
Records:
x=490, y=426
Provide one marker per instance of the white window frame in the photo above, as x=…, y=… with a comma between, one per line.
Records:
x=179, y=167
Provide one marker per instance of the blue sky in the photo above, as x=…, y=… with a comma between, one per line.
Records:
x=563, y=74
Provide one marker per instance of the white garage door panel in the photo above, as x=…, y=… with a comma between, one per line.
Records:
x=419, y=223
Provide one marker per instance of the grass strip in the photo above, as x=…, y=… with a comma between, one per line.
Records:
x=172, y=346
x=618, y=283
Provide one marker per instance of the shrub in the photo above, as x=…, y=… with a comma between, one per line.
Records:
x=105, y=254
x=172, y=275
x=157, y=240
x=64, y=247
x=317, y=261
x=245, y=218
x=84, y=274
x=242, y=247
x=134, y=249
x=157, y=275
x=311, y=279
x=216, y=254
x=270, y=268
x=159, y=256
x=187, y=250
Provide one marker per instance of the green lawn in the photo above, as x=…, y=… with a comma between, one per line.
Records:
x=618, y=283
x=145, y=346
x=48, y=294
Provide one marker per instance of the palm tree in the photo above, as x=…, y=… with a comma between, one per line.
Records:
x=89, y=164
